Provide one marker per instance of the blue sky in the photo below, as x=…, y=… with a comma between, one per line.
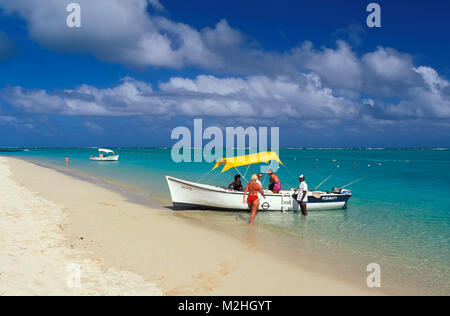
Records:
x=136, y=69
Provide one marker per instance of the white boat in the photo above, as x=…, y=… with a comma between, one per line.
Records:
x=105, y=155
x=196, y=196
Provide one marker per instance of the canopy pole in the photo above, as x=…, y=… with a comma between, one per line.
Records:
x=243, y=177
x=248, y=167
x=265, y=177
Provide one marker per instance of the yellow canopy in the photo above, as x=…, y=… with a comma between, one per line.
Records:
x=247, y=160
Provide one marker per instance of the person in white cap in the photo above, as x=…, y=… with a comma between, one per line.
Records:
x=302, y=196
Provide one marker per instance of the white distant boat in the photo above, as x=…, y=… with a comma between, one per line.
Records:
x=105, y=155
x=196, y=196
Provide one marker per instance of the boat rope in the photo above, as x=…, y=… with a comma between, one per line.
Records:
x=291, y=175
x=204, y=176
x=217, y=174
x=264, y=181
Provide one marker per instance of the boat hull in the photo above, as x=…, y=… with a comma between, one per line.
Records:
x=194, y=196
x=111, y=158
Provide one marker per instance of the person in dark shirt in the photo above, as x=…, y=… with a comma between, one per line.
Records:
x=236, y=185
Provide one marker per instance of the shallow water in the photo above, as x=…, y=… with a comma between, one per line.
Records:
x=399, y=215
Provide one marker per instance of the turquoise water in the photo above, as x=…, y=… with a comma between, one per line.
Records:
x=399, y=215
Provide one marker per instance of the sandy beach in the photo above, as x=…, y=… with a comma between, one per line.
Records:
x=52, y=222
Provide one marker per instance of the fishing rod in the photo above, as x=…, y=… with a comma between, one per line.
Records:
x=351, y=183
x=322, y=182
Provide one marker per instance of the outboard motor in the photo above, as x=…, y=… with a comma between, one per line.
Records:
x=346, y=191
x=336, y=190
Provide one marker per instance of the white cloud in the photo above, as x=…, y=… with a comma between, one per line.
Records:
x=156, y=4
x=14, y=122
x=339, y=67
x=304, y=96
x=303, y=82
x=34, y=100
x=124, y=32
x=388, y=64
x=368, y=102
x=121, y=32
x=93, y=127
x=257, y=96
x=432, y=78
x=8, y=119
x=428, y=100
x=205, y=84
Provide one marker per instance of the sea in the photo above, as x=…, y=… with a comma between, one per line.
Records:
x=398, y=217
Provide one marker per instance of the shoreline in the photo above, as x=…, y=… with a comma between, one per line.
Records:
x=121, y=234
x=344, y=264
x=130, y=193
x=34, y=257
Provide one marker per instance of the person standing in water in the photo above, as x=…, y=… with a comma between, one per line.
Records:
x=302, y=196
x=253, y=201
x=67, y=160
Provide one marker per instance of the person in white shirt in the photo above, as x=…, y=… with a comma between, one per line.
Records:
x=302, y=196
x=260, y=176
